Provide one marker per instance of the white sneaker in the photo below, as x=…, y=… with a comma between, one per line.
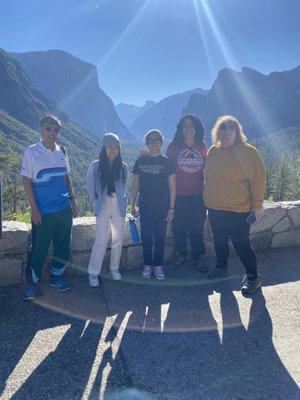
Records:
x=115, y=274
x=93, y=280
x=159, y=272
x=147, y=272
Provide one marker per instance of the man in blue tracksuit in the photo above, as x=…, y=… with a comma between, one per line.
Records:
x=49, y=191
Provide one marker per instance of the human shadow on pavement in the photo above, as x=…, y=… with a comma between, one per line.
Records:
x=164, y=340
x=19, y=323
x=251, y=366
x=185, y=338
x=74, y=358
x=187, y=342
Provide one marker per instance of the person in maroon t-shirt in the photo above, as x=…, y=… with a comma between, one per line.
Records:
x=188, y=151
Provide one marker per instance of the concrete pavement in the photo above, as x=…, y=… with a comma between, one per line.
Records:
x=184, y=338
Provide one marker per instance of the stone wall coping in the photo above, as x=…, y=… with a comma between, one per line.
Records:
x=280, y=227
x=282, y=204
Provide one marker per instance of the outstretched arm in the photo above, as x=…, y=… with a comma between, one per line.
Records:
x=134, y=192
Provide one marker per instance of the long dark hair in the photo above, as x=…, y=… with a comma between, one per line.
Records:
x=105, y=172
x=178, y=139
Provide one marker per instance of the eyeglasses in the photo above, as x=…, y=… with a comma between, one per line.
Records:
x=227, y=127
x=153, y=141
x=54, y=128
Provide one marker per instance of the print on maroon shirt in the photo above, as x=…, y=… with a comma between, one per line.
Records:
x=190, y=164
x=190, y=160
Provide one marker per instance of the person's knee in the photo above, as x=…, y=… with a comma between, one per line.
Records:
x=116, y=242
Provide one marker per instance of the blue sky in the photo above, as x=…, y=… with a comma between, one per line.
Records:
x=149, y=49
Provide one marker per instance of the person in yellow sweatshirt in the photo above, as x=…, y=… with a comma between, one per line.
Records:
x=234, y=193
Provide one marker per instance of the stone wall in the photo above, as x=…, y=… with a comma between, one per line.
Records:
x=280, y=227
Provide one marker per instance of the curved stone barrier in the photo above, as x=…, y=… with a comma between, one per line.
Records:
x=280, y=227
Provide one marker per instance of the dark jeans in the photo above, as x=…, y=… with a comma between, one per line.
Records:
x=153, y=234
x=55, y=228
x=189, y=219
x=234, y=225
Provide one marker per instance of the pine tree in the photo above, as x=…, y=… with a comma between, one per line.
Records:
x=283, y=179
x=10, y=176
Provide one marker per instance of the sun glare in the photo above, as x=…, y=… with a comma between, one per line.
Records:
x=203, y=12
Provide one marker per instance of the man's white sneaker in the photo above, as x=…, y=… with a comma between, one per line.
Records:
x=115, y=274
x=147, y=271
x=159, y=273
x=93, y=280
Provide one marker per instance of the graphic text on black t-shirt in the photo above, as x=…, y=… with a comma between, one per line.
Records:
x=153, y=175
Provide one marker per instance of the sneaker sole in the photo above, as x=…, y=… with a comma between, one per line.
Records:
x=58, y=288
x=28, y=298
x=146, y=277
x=97, y=285
x=160, y=278
x=203, y=270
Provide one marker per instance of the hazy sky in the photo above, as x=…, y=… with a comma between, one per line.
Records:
x=149, y=49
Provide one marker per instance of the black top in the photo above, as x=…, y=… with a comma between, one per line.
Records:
x=153, y=175
x=110, y=184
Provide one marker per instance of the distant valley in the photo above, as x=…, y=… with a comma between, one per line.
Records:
x=37, y=83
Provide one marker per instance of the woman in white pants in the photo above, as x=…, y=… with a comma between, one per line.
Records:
x=106, y=184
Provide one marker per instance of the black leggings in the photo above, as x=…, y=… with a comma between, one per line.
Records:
x=189, y=219
x=234, y=225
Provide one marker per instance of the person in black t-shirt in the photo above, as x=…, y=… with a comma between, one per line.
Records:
x=155, y=181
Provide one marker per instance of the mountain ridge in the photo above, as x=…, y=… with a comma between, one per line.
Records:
x=73, y=84
x=163, y=115
x=263, y=103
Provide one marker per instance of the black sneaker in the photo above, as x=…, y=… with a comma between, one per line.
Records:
x=178, y=260
x=218, y=272
x=250, y=286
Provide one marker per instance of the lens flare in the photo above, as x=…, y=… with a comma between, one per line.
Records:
x=264, y=121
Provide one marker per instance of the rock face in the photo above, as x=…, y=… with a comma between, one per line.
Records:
x=27, y=105
x=18, y=98
x=263, y=103
x=22, y=106
x=73, y=85
x=280, y=227
x=163, y=115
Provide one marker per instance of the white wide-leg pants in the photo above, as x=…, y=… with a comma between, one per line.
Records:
x=109, y=218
